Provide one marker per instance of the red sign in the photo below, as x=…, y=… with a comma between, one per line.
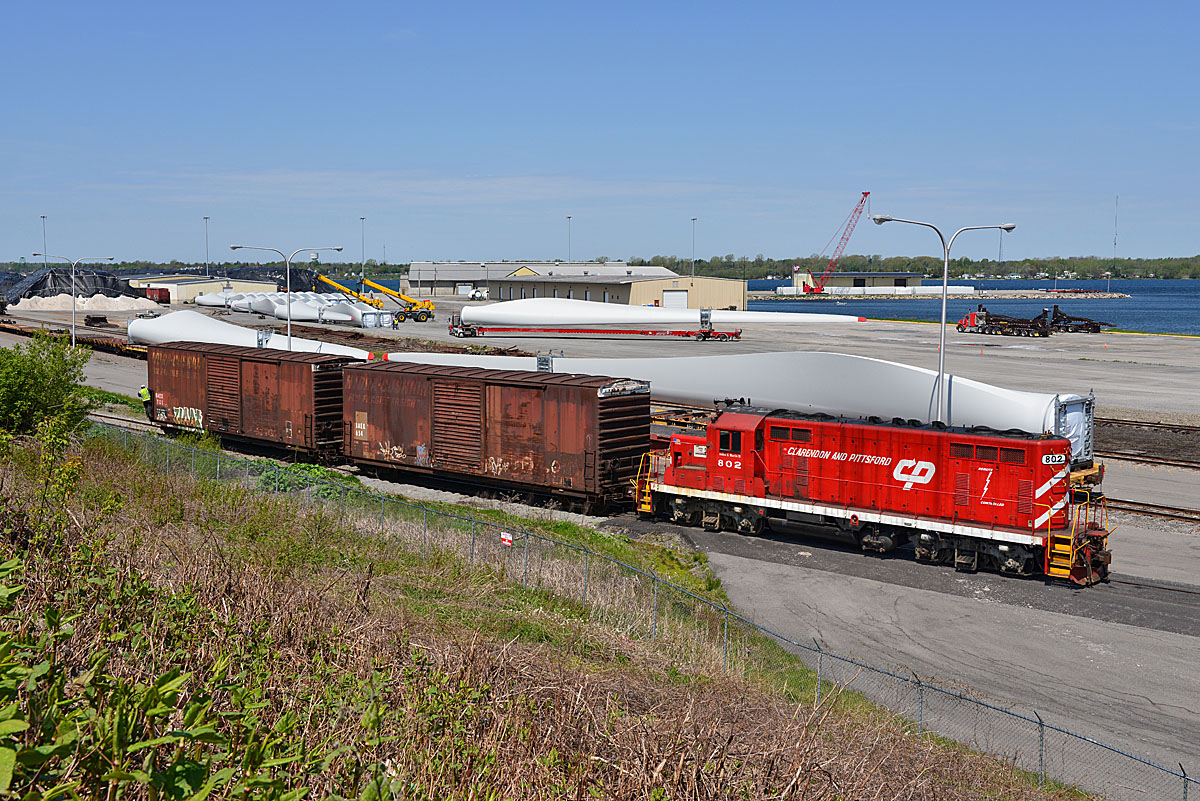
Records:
x=506, y=538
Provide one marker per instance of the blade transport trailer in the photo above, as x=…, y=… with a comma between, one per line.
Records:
x=974, y=498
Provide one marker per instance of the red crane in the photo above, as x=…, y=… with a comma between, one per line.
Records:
x=818, y=284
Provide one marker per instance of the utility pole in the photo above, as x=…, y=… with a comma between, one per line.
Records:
x=207, y=269
x=362, y=277
x=693, y=248
x=44, y=265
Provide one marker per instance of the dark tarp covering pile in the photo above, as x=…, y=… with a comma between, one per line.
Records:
x=57, y=281
x=302, y=280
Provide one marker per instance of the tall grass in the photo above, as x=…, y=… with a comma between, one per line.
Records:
x=177, y=638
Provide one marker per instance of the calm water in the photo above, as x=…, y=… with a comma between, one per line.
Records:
x=1160, y=306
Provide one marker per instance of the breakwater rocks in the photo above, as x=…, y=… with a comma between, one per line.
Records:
x=983, y=294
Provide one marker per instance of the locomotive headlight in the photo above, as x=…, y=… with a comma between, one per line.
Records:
x=1002, y=548
x=926, y=538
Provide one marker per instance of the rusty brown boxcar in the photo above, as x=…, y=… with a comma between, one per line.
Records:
x=578, y=436
x=293, y=400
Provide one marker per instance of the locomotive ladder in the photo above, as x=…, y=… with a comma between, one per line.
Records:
x=1060, y=554
x=644, y=498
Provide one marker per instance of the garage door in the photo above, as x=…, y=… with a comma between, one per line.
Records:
x=675, y=298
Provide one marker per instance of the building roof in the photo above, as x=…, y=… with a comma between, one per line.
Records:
x=868, y=274
x=600, y=279
x=474, y=271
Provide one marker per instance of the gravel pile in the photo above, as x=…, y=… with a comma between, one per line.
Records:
x=93, y=303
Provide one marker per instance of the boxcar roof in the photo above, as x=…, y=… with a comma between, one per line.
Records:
x=520, y=377
x=264, y=354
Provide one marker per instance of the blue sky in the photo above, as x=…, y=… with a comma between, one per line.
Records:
x=470, y=130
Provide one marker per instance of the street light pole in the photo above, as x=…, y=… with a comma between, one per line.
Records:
x=44, y=247
x=287, y=265
x=568, y=241
x=362, y=275
x=880, y=219
x=693, y=249
x=73, y=264
x=207, y=268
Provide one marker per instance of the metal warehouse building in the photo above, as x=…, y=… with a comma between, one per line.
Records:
x=185, y=288
x=672, y=291
x=460, y=278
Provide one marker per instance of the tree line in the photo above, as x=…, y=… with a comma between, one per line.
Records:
x=730, y=266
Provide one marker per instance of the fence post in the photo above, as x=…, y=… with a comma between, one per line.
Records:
x=820, y=666
x=1041, y=748
x=193, y=450
x=920, y=704
x=472, y=540
x=726, y=638
x=168, y=457
x=424, y=529
x=218, y=464
x=654, y=624
x=342, y=507
x=382, y=508
x=1186, y=781
x=246, y=478
x=525, y=576
x=277, y=478
x=586, y=554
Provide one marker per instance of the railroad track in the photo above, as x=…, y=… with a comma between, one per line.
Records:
x=1181, y=428
x=1141, y=458
x=1188, y=596
x=131, y=423
x=1154, y=510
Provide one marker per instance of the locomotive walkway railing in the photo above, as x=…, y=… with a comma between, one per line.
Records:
x=645, y=605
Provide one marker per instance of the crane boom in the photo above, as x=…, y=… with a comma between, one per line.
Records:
x=818, y=284
x=348, y=291
x=412, y=303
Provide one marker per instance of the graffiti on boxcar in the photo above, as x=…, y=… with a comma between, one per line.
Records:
x=187, y=416
x=500, y=467
x=391, y=453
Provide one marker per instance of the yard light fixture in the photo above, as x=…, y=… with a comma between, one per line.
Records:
x=880, y=219
x=287, y=265
x=73, y=265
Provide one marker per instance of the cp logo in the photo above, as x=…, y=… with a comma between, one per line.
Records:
x=910, y=471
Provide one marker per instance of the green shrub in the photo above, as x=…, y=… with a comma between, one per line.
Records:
x=41, y=379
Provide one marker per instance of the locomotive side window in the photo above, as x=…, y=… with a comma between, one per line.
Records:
x=801, y=435
x=758, y=439
x=1012, y=456
x=961, y=450
x=779, y=432
x=986, y=452
x=730, y=442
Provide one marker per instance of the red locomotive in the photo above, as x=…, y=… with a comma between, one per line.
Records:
x=976, y=498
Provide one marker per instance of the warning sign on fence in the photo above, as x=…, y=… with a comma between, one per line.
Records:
x=506, y=538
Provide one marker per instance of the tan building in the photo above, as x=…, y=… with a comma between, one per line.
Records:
x=673, y=291
x=185, y=288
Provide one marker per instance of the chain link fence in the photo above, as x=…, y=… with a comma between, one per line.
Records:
x=699, y=634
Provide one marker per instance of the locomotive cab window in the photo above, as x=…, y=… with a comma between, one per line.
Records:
x=730, y=441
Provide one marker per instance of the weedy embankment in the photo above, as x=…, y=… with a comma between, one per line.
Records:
x=173, y=638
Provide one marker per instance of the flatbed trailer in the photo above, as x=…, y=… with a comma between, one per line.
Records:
x=460, y=329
